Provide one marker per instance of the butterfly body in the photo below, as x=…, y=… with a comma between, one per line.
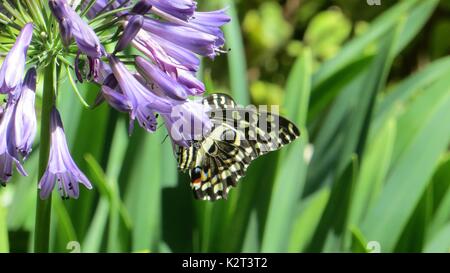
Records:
x=238, y=136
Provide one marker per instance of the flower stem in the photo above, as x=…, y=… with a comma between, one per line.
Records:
x=43, y=207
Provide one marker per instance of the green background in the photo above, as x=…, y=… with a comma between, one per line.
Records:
x=369, y=86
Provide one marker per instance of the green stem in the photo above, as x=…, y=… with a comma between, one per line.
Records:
x=43, y=207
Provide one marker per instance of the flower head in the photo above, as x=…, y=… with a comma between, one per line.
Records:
x=11, y=73
x=171, y=35
x=61, y=168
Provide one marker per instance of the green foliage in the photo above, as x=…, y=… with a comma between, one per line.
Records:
x=372, y=162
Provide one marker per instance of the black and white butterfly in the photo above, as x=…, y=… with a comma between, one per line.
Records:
x=238, y=136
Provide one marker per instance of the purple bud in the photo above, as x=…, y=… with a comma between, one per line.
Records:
x=155, y=75
x=130, y=31
x=60, y=167
x=12, y=70
x=66, y=32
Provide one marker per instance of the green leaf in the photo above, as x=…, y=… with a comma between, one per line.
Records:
x=308, y=219
x=4, y=240
x=331, y=233
x=359, y=244
x=412, y=171
x=441, y=200
x=286, y=192
x=142, y=172
x=374, y=169
x=440, y=242
x=65, y=230
x=236, y=57
x=298, y=89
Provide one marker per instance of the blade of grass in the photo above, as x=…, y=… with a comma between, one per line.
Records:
x=236, y=57
x=374, y=169
x=410, y=174
x=332, y=229
x=64, y=229
x=4, y=240
x=440, y=242
x=288, y=185
x=142, y=172
x=308, y=219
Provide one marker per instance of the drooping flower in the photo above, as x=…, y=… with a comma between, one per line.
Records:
x=144, y=103
x=61, y=168
x=84, y=35
x=8, y=160
x=201, y=43
x=164, y=81
x=22, y=127
x=167, y=55
x=112, y=93
x=12, y=70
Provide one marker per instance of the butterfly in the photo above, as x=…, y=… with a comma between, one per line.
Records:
x=238, y=136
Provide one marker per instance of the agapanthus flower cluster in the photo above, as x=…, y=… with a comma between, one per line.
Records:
x=92, y=39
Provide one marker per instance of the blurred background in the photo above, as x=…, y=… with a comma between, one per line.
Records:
x=369, y=86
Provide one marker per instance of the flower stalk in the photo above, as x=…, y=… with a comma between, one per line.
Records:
x=43, y=207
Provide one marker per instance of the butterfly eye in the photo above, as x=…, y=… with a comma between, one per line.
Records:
x=196, y=173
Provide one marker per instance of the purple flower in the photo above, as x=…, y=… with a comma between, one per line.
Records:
x=7, y=160
x=65, y=31
x=22, y=127
x=194, y=86
x=181, y=9
x=187, y=121
x=167, y=55
x=61, y=168
x=144, y=103
x=112, y=93
x=85, y=37
x=133, y=26
x=156, y=76
x=211, y=22
x=101, y=6
x=13, y=67
x=199, y=42
x=142, y=7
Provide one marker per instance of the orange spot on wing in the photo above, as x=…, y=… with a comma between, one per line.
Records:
x=197, y=181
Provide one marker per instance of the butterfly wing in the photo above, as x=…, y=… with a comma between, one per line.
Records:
x=238, y=136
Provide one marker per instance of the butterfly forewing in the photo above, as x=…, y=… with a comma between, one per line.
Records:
x=238, y=136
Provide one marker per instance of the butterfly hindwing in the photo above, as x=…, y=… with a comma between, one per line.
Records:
x=238, y=136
